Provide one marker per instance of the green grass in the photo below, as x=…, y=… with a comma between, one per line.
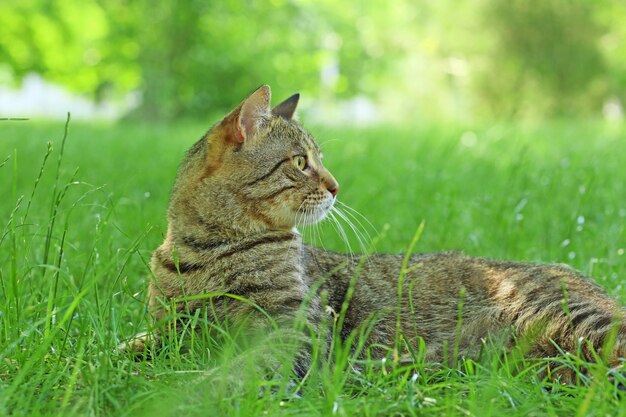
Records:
x=76, y=235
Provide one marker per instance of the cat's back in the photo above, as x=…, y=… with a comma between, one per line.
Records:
x=446, y=278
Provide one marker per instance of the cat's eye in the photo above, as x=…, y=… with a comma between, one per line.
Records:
x=300, y=162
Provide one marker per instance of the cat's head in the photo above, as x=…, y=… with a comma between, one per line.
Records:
x=256, y=169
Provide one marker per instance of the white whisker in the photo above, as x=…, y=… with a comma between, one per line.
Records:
x=319, y=233
x=355, y=230
x=300, y=221
x=309, y=220
x=341, y=232
x=353, y=213
x=327, y=141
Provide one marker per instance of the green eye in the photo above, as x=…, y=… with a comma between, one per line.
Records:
x=300, y=162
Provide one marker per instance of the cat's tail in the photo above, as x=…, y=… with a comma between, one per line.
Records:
x=554, y=310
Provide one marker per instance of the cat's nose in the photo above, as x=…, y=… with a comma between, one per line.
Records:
x=330, y=183
x=334, y=189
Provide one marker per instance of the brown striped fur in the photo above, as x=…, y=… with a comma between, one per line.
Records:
x=237, y=198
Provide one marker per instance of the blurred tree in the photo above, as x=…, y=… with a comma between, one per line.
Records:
x=78, y=45
x=200, y=55
x=546, y=56
x=459, y=58
x=611, y=15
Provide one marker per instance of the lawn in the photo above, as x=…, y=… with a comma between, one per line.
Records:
x=79, y=219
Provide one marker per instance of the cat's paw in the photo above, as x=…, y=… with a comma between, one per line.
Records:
x=140, y=346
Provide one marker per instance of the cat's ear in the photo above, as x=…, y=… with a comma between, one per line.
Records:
x=287, y=108
x=251, y=114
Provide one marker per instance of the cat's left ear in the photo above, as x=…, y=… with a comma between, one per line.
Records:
x=287, y=108
x=253, y=112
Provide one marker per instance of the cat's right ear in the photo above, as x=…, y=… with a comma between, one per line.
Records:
x=246, y=120
x=287, y=108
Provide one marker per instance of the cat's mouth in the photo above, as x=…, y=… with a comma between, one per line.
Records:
x=314, y=213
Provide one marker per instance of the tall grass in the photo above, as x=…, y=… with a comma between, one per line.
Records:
x=82, y=206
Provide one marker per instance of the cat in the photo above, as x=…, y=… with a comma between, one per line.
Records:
x=242, y=189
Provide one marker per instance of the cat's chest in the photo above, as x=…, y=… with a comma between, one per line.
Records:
x=256, y=262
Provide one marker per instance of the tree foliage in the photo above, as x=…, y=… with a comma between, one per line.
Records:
x=547, y=46
x=474, y=57
x=78, y=44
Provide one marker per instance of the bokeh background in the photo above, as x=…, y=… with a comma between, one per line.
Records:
x=355, y=61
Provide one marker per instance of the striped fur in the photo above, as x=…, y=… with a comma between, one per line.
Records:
x=236, y=200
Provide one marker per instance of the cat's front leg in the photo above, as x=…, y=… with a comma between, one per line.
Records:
x=292, y=338
x=144, y=344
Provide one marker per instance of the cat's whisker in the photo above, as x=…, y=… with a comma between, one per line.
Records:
x=315, y=231
x=351, y=213
x=354, y=213
x=301, y=215
x=312, y=226
x=300, y=221
x=319, y=233
x=359, y=230
x=355, y=230
x=364, y=250
x=309, y=223
x=333, y=222
x=341, y=232
x=327, y=141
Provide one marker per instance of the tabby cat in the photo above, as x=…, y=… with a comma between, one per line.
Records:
x=239, y=194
